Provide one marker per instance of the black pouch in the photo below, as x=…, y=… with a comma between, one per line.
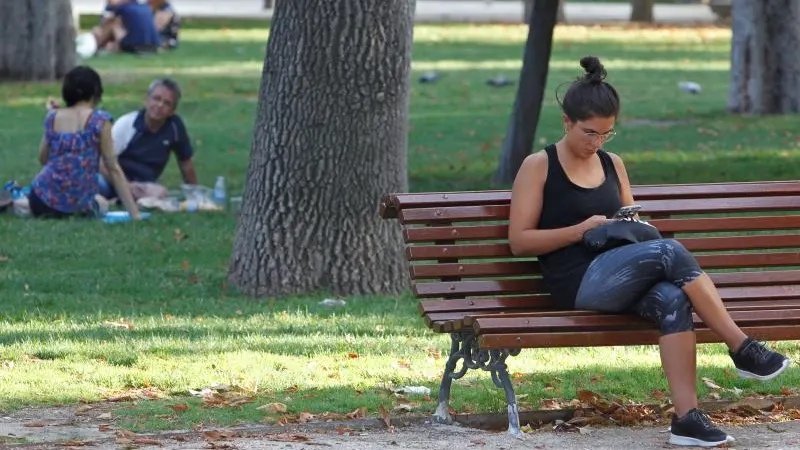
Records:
x=618, y=233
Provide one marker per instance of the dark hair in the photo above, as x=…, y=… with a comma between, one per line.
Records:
x=82, y=84
x=590, y=95
x=170, y=84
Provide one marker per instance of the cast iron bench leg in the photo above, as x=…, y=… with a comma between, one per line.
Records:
x=442, y=414
x=463, y=347
x=501, y=379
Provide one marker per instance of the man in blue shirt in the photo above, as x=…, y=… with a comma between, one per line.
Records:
x=144, y=140
x=167, y=21
x=127, y=26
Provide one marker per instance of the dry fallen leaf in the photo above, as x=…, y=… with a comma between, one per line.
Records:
x=385, y=416
x=34, y=424
x=180, y=407
x=179, y=236
x=104, y=427
x=273, y=407
x=83, y=409
x=145, y=441
x=711, y=384
x=286, y=437
x=305, y=417
x=4, y=258
x=358, y=413
x=658, y=394
x=104, y=416
x=75, y=443
x=121, y=325
x=352, y=355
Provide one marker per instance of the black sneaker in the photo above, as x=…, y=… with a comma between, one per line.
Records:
x=754, y=360
x=696, y=429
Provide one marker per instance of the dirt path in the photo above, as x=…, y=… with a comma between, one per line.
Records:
x=38, y=429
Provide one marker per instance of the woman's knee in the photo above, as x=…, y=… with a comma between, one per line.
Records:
x=671, y=246
x=668, y=306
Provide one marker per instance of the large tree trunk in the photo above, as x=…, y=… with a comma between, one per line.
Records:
x=642, y=11
x=330, y=139
x=37, y=39
x=518, y=141
x=765, y=70
x=527, y=13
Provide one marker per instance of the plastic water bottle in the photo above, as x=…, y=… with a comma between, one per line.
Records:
x=14, y=190
x=219, y=195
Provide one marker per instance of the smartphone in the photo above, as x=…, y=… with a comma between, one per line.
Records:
x=627, y=212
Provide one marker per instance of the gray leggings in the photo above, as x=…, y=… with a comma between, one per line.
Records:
x=645, y=278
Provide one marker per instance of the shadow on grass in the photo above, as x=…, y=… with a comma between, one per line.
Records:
x=473, y=395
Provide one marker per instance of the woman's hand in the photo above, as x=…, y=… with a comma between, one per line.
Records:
x=593, y=222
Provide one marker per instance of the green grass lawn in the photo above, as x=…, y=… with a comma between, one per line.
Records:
x=91, y=311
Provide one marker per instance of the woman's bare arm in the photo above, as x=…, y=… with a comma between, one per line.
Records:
x=115, y=172
x=526, y=209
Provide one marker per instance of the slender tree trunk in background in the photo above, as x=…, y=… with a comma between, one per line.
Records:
x=528, y=11
x=642, y=11
x=765, y=70
x=37, y=39
x=518, y=141
x=330, y=140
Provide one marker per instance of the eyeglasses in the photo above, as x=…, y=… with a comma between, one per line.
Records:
x=605, y=137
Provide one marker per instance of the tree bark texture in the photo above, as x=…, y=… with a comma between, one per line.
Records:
x=765, y=70
x=518, y=141
x=527, y=13
x=330, y=140
x=642, y=11
x=37, y=39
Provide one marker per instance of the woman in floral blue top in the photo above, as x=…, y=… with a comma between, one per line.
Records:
x=74, y=139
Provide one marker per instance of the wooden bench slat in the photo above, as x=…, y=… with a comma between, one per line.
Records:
x=742, y=260
x=722, y=224
x=474, y=304
x=468, y=318
x=706, y=244
x=460, y=251
x=478, y=287
x=489, y=305
x=751, y=242
x=457, y=320
x=649, y=207
x=512, y=268
x=632, y=337
x=581, y=323
x=390, y=204
x=714, y=224
x=462, y=289
x=507, y=268
x=464, y=232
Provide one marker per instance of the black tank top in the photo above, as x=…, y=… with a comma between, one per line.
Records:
x=566, y=204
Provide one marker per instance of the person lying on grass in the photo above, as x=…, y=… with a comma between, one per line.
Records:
x=574, y=186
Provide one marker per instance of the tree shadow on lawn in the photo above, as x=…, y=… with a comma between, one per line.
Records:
x=552, y=390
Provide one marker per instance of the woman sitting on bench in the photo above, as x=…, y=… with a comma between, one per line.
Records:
x=574, y=186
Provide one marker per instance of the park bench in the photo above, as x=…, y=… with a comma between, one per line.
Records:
x=746, y=236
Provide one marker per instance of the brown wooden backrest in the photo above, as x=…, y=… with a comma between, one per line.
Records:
x=457, y=241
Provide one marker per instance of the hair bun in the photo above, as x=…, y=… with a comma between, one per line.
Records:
x=595, y=72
